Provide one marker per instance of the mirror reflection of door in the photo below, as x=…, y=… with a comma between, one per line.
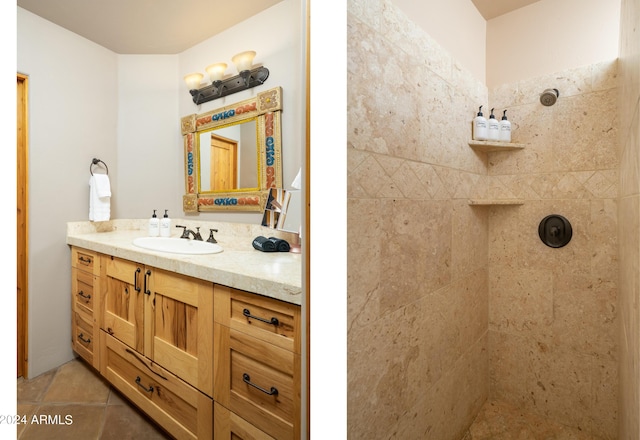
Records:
x=224, y=163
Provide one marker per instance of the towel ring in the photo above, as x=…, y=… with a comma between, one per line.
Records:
x=95, y=162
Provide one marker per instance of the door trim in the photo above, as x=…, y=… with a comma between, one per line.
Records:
x=22, y=233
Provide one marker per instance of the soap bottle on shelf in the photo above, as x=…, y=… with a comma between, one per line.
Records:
x=505, y=129
x=480, y=127
x=493, y=130
x=154, y=225
x=165, y=225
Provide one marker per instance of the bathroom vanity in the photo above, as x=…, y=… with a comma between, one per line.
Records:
x=209, y=346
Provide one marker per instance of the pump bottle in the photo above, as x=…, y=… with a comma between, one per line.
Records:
x=494, y=127
x=480, y=127
x=505, y=129
x=154, y=225
x=165, y=225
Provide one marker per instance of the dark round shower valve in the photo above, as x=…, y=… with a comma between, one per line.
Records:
x=555, y=231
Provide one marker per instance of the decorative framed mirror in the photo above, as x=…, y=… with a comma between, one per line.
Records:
x=233, y=155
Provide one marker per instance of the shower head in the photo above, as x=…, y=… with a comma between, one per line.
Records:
x=549, y=97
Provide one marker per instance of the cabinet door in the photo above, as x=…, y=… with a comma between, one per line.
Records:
x=179, y=327
x=123, y=301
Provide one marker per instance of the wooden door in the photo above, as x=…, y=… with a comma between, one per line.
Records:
x=179, y=327
x=224, y=164
x=123, y=291
x=21, y=220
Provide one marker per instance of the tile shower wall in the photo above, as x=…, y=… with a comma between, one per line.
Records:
x=629, y=220
x=553, y=319
x=417, y=253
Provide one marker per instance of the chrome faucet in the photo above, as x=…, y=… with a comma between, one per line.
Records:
x=187, y=232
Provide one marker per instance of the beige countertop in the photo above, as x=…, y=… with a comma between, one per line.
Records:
x=274, y=274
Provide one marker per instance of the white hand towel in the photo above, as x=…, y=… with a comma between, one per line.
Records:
x=103, y=185
x=99, y=206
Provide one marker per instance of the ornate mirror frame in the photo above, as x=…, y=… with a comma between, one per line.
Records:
x=266, y=108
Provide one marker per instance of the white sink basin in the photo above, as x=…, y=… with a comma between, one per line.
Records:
x=177, y=245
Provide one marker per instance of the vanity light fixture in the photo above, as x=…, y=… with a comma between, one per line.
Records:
x=219, y=87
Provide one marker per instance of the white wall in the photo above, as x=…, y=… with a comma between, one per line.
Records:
x=551, y=36
x=72, y=117
x=149, y=157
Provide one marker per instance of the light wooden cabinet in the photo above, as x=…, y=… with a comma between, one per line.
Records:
x=85, y=311
x=203, y=360
x=257, y=367
x=165, y=316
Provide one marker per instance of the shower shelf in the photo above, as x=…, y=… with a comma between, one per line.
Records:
x=495, y=202
x=491, y=146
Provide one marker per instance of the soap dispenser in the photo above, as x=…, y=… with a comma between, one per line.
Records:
x=505, y=129
x=165, y=225
x=480, y=127
x=494, y=128
x=154, y=225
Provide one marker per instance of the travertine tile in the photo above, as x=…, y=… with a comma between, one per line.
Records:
x=500, y=420
x=521, y=301
x=469, y=238
x=429, y=275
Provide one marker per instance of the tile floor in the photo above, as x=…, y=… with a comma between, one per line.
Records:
x=501, y=421
x=76, y=393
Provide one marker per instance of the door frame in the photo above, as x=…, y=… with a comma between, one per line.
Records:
x=22, y=249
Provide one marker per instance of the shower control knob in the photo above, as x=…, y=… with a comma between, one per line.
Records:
x=555, y=231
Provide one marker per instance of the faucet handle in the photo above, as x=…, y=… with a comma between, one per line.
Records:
x=211, y=238
x=197, y=235
x=184, y=231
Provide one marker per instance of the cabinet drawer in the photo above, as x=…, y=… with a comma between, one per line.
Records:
x=82, y=285
x=83, y=340
x=84, y=260
x=261, y=382
x=179, y=408
x=230, y=426
x=267, y=319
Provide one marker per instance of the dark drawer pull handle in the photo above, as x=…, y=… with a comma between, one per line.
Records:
x=273, y=320
x=81, y=337
x=148, y=390
x=147, y=274
x=84, y=260
x=81, y=293
x=247, y=379
x=135, y=280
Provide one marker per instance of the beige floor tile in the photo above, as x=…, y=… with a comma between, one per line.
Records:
x=75, y=382
x=73, y=402
x=62, y=422
x=122, y=422
x=33, y=390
